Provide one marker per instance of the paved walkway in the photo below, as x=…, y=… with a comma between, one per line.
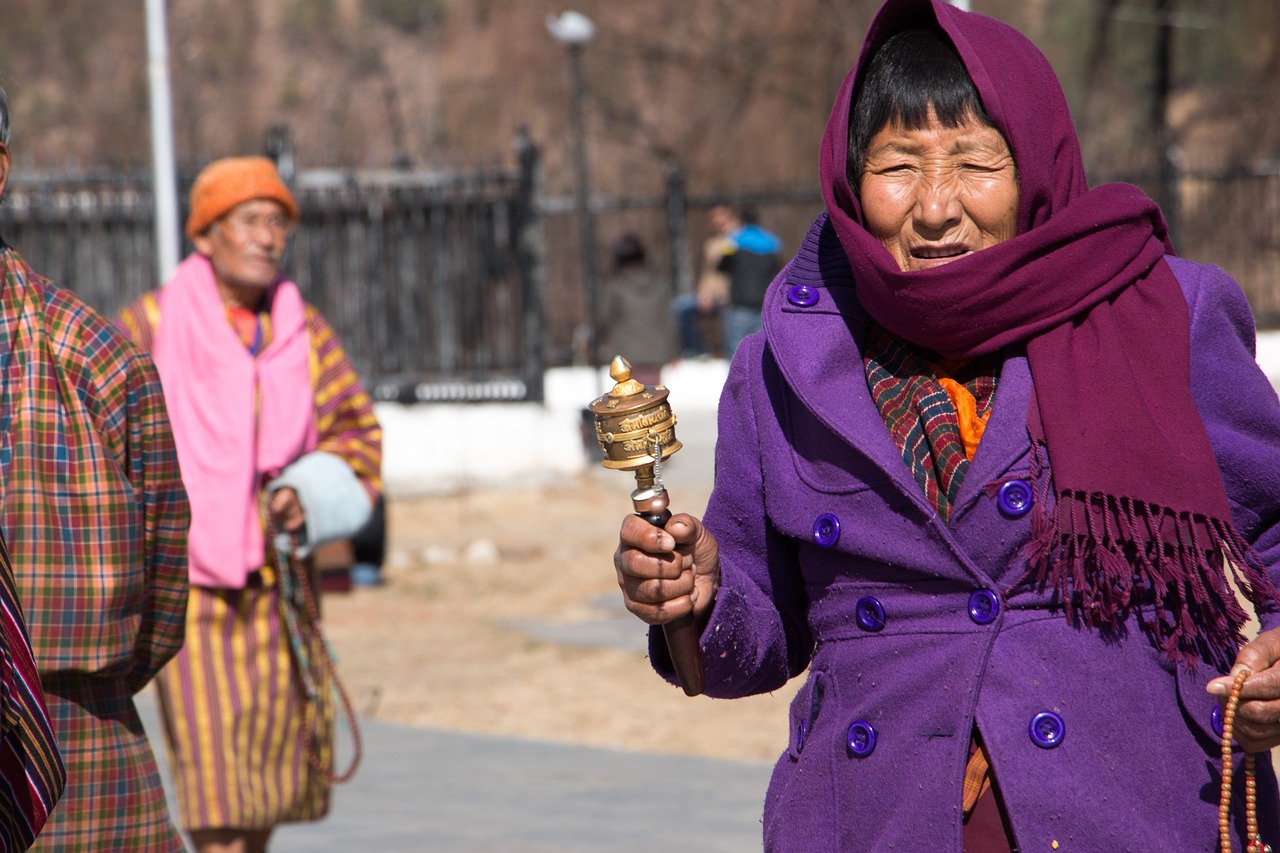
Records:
x=427, y=790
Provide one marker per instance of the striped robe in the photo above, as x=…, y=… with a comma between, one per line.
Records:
x=231, y=700
x=31, y=773
x=96, y=519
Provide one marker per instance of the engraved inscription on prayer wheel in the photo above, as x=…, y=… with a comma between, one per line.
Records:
x=632, y=419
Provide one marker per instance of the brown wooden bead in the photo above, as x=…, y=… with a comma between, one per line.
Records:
x=1253, y=843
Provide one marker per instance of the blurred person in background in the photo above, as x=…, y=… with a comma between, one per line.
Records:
x=700, y=311
x=369, y=547
x=748, y=259
x=95, y=517
x=987, y=478
x=634, y=320
x=280, y=452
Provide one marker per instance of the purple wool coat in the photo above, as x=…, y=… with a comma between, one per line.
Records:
x=912, y=631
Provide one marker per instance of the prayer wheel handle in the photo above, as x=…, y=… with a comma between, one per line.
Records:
x=636, y=430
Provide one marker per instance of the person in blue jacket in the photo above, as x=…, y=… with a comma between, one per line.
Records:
x=749, y=259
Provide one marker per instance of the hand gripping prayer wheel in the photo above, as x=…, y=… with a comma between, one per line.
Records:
x=637, y=430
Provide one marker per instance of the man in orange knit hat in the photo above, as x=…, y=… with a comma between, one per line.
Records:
x=280, y=451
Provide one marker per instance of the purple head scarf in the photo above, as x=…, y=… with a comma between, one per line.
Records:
x=1136, y=512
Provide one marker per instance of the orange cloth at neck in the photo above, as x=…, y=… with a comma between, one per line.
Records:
x=972, y=425
x=245, y=322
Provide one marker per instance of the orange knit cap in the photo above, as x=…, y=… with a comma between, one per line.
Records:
x=234, y=180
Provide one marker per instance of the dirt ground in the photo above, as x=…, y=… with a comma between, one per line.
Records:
x=436, y=646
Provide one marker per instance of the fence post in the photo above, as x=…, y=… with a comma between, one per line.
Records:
x=1166, y=137
x=279, y=148
x=530, y=258
x=678, y=230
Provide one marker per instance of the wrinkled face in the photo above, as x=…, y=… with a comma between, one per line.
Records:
x=247, y=244
x=939, y=193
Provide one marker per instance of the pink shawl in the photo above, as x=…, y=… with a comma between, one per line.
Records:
x=237, y=419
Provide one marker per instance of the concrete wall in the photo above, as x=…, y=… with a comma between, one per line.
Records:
x=1269, y=355
x=441, y=448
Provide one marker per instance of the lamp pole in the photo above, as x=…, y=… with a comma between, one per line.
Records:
x=165, y=184
x=574, y=30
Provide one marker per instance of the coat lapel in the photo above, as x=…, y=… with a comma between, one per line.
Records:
x=817, y=347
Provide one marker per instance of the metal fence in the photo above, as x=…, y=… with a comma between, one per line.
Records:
x=672, y=227
x=430, y=281
x=1229, y=217
x=466, y=287
x=423, y=282
x=92, y=235
x=1232, y=219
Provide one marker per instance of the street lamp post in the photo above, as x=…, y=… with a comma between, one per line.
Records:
x=164, y=183
x=574, y=30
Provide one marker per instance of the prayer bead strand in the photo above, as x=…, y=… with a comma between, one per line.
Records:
x=1253, y=840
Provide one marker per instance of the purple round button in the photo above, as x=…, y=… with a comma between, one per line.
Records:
x=1047, y=730
x=1015, y=498
x=826, y=530
x=862, y=739
x=802, y=295
x=1215, y=720
x=802, y=731
x=870, y=613
x=984, y=607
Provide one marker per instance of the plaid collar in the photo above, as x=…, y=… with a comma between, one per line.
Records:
x=919, y=414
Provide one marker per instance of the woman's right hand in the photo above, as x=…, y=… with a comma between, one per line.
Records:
x=666, y=573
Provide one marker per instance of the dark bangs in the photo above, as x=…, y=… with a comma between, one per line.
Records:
x=913, y=70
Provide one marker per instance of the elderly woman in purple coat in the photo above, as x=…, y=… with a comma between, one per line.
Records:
x=987, y=476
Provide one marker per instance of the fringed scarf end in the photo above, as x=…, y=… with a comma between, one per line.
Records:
x=1106, y=558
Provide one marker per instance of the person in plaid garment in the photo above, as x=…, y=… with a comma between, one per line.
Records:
x=96, y=518
x=275, y=434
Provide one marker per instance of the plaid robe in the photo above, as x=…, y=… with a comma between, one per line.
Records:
x=96, y=517
x=236, y=680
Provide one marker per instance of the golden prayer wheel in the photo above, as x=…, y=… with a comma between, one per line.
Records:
x=633, y=420
x=636, y=430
